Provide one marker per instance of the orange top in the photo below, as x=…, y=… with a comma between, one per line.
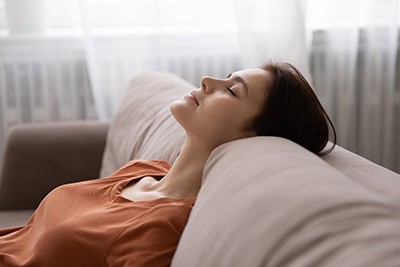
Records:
x=90, y=224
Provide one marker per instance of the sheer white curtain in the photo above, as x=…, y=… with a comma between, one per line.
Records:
x=351, y=48
x=355, y=49
x=188, y=38
x=78, y=65
x=270, y=29
x=73, y=59
x=43, y=74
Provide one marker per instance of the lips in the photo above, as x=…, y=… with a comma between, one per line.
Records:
x=193, y=94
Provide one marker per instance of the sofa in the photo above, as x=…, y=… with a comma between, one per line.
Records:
x=264, y=201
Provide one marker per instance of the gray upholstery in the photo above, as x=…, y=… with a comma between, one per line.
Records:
x=39, y=157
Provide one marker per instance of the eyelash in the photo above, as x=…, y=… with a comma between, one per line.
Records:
x=231, y=91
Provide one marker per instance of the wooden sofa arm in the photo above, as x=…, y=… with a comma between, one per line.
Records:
x=39, y=157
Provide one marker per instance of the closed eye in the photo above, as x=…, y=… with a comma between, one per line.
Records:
x=231, y=91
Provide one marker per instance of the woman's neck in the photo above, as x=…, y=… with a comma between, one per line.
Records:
x=184, y=178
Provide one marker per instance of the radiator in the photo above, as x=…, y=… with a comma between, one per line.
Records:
x=42, y=81
x=46, y=79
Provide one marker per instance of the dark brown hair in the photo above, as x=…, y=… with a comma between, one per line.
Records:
x=293, y=111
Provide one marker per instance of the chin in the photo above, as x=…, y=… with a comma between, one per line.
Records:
x=177, y=112
x=184, y=114
x=174, y=108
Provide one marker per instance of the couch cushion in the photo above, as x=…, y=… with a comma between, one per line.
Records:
x=143, y=127
x=266, y=201
x=364, y=172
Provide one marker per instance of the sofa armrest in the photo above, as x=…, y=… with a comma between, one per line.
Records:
x=39, y=157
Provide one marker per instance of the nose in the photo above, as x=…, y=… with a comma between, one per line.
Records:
x=209, y=84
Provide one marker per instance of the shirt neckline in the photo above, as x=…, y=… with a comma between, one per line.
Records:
x=116, y=197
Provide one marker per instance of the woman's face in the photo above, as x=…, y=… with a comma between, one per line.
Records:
x=223, y=110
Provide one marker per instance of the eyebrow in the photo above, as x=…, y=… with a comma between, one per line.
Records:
x=239, y=79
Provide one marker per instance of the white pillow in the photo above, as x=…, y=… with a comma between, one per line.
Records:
x=143, y=126
x=266, y=201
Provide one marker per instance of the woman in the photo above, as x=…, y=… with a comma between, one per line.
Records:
x=135, y=217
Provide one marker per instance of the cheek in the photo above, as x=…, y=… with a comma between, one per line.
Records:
x=255, y=110
x=227, y=119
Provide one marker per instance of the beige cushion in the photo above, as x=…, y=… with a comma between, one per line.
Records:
x=266, y=201
x=366, y=173
x=143, y=127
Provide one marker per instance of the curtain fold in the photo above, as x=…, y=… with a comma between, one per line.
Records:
x=354, y=66
x=273, y=30
x=378, y=95
x=188, y=38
